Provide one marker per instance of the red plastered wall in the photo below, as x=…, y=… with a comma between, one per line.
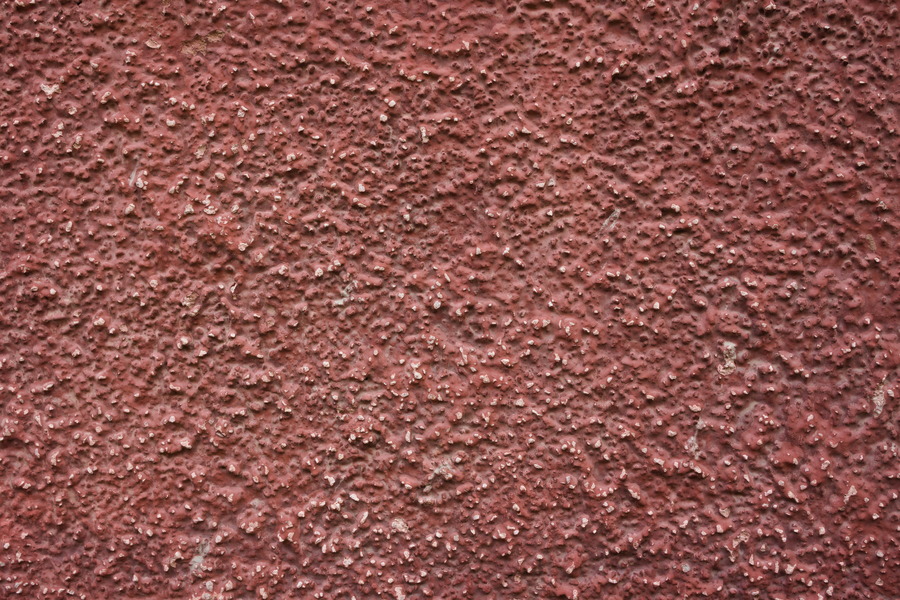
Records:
x=449, y=300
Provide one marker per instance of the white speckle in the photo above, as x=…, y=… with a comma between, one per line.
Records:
x=878, y=398
x=610, y=221
x=729, y=350
x=49, y=89
x=399, y=525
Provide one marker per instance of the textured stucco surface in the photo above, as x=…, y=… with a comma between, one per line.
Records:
x=449, y=299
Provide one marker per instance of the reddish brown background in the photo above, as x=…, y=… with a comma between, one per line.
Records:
x=449, y=299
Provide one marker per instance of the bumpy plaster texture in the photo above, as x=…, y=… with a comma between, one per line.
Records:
x=449, y=299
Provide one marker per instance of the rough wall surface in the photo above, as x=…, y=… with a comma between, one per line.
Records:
x=451, y=300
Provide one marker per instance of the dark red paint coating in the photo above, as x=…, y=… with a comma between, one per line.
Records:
x=451, y=300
